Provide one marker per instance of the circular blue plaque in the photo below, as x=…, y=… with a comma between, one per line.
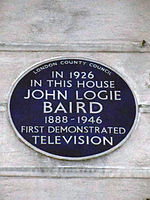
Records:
x=72, y=108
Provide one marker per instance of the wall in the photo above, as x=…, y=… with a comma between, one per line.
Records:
x=113, y=32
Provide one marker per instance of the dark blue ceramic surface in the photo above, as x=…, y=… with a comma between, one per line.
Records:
x=29, y=112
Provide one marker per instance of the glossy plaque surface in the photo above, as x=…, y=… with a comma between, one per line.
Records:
x=72, y=108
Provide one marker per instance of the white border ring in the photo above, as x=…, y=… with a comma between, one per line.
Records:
x=63, y=157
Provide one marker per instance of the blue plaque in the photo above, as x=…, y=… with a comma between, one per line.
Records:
x=72, y=108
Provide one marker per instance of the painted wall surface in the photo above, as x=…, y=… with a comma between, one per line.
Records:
x=114, y=32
